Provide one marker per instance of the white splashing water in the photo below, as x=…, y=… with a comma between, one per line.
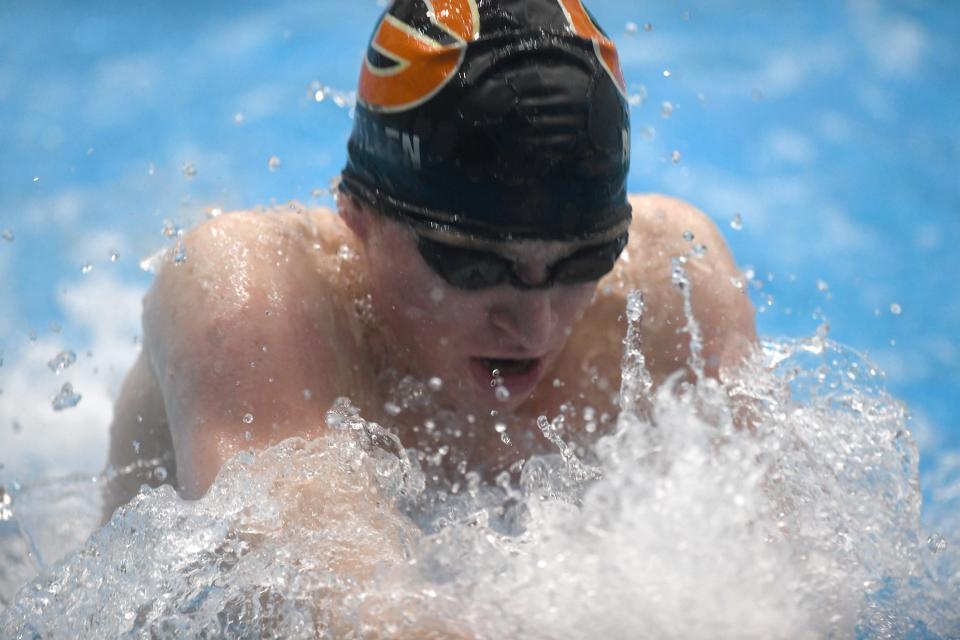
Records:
x=782, y=505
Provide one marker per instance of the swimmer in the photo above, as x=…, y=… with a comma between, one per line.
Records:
x=483, y=248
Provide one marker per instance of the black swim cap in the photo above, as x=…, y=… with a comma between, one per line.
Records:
x=504, y=119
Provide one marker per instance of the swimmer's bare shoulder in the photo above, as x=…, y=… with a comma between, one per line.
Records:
x=246, y=342
x=664, y=228
x=724, y=312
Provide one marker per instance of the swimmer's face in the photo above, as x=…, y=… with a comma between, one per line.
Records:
x=463, y=336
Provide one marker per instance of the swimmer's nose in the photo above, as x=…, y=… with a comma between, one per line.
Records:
x=526, y=321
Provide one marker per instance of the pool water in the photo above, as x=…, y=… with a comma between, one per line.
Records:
x=821, y=137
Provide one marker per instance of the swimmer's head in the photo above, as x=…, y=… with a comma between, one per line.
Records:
x=498, y=119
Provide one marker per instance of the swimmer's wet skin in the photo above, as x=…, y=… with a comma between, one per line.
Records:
x=485, y=239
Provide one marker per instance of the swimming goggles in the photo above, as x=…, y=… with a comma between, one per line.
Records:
x=472, y=269
x=471, y=263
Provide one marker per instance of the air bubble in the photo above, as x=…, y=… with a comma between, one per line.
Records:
x=435, y=383
x=737, y=223
x=502, y=393
x=895, y=309
x=247, y=418
x=666, y=109
x=114, y=255
x=675, y=157
x=273, y=163
x=688, y=236
x=189, y=171
x=822, y=286
x=7, y=235
x=86, y=268
x=648, y=27
x=238, y=118
x=160, y=473
x=631, y=28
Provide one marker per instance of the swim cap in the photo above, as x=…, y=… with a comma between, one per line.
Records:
x=504, y=119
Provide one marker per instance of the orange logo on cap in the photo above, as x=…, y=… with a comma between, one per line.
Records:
x=407, y=64
x=585, y=27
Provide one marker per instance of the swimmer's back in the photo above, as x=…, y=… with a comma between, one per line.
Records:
x=254, y=335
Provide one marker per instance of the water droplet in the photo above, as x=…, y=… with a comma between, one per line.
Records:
x=895, y=309
x=936, y=543
x=502, y=393
x=114, y=255
x=666, y=109
x=189, y=171
x=435, y=383
x=273, y=163
x=7, y=235
x=61, y=361
x=6, y=500
x=247, y=418
x=688, y=236
x=648, y=27
x=86, y=268
x=631, y=28
x=737, y=223
x=675, y=157
x=66, y=398
x=238, y=118
x=392, y=408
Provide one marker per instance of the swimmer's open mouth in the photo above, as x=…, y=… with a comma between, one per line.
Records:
x=509, y=366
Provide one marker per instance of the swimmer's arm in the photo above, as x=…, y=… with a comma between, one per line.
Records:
x=229, y=346
x=721, y=307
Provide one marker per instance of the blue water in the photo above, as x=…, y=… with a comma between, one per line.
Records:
x=831, y=127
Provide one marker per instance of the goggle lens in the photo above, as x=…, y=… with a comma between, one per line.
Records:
x=475, y=269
